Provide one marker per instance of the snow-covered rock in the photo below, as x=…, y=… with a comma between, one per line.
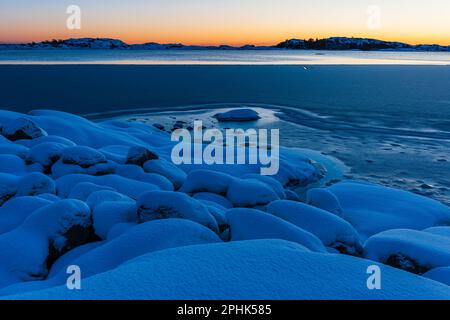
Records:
x=22, y=129
x=46, y=154
x=83, y=190
x=333, y=231
x=372, y=209
x=206, y=181
x=34, y=184
x=27, y=251
x=238, y=115
x=138, y=155
x=141, y=239
x=157, y=205
x=98, y=197
x=250, y=193
x=410, y=250
x=16, y=210
x=82, y=156
x=251, y=224
x=324, y=199
x=137, y=173
x=166, y=169
x=213, y=197
x=128, y=187
x=109, y=213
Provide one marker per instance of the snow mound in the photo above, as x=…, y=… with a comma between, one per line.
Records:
x=156, y=205
x=139, y=240
x=27, y=251
x=128, y=187
x=264, y=269
x=166, y=169
x=137, y=173
x=109, y=213
x=333, y=231
x=324, y=199
x=34, y=184
x=98, y=197
x=410, y=250
x=16, y=210
x=213, y=197
x=372, y=209
x=250, y=193
x=12, y=163
x=251, y=224
x=441, y=275
x=22, y=129
x=440, y=231
x=83, y=190
x=238, y=115
x=206, y=181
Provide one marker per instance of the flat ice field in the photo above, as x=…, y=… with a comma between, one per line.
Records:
x=105, y=199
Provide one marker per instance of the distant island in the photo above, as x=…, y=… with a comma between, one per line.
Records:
x=333, y=43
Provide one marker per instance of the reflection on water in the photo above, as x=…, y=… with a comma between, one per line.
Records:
x=220, y=57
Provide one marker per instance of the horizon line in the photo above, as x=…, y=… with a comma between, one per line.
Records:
x=217, y=45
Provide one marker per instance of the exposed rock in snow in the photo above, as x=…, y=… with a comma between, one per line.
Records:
x=410, y=250
x=238, y=115
x=333, y=231
x=22, y=129
x=168, y=205
x=34, y=184
x=81, y=156
x=139, y=155
x=46, y=154
x=251, y=224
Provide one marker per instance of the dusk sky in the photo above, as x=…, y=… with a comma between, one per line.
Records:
x=234, y=22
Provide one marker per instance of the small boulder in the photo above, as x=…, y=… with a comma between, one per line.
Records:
x=22, y=129
x=138, y=155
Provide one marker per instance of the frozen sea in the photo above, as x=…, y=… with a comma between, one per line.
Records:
x=385, y=115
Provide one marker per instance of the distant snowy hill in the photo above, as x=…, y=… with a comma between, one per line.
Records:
x=343, y=43
x=334, y=43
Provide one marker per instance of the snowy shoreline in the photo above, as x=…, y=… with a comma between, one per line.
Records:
x=76, y=192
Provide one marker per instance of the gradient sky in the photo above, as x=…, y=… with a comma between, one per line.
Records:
x=233, y=22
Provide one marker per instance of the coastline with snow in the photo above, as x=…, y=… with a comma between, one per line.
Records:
x=360, y=183
x=88, y=192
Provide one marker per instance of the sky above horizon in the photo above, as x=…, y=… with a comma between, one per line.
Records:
x=235, y=22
